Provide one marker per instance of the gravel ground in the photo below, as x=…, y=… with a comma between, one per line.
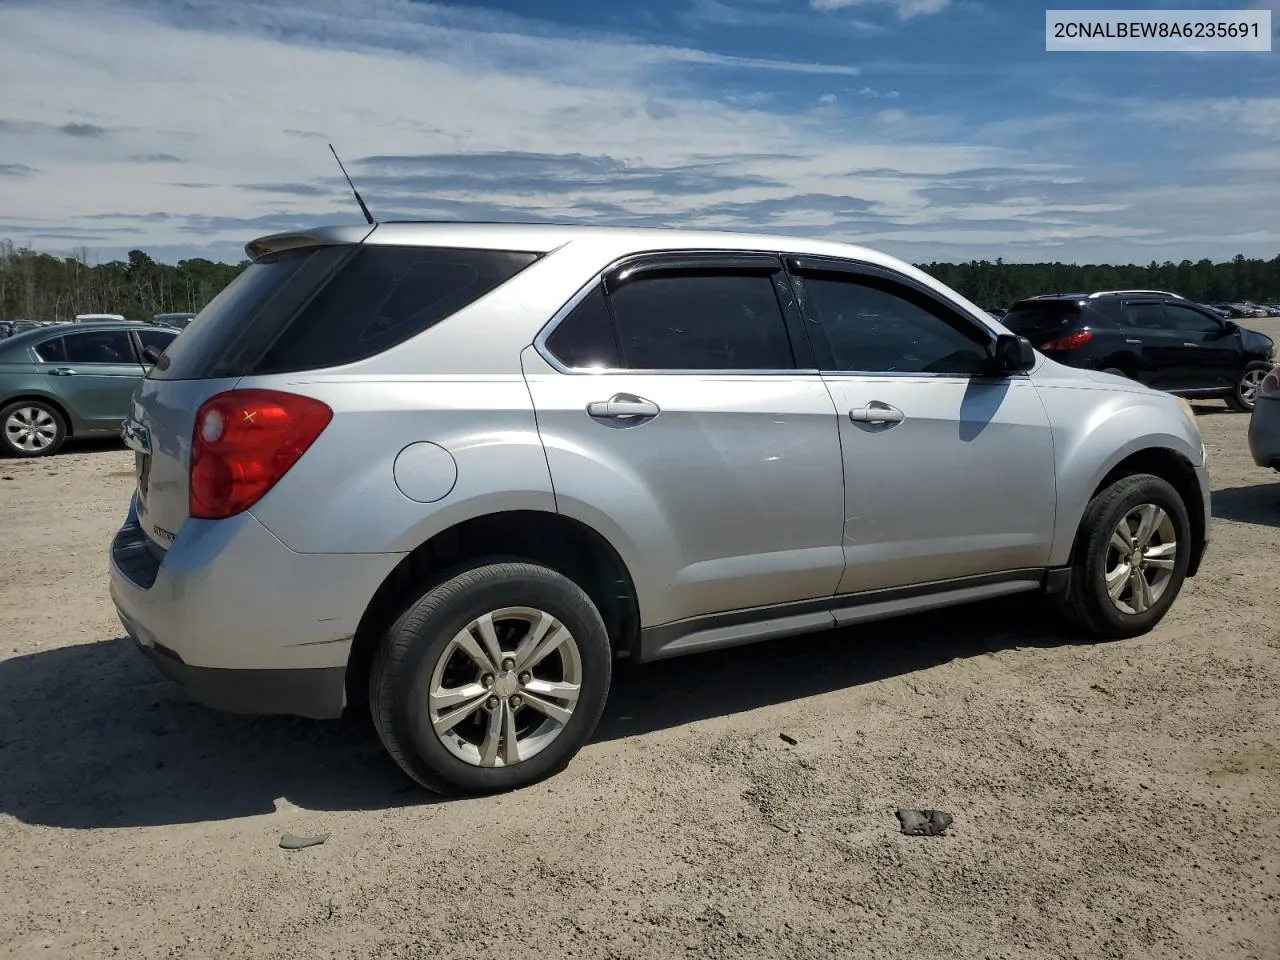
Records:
x=1115, y=800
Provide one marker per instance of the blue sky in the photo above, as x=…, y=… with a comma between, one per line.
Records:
x=932, y=129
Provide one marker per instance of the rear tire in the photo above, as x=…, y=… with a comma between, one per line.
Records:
x=493, y=679
x=1245, y=393
x=31, y=428
x=1130, y=558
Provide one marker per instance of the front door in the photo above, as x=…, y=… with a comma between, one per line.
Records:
x=948, y=473
x=97, y=372
x=678, y=423
x=1210, y=355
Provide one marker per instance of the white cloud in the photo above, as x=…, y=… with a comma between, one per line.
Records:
x=906, y=9
x=185, y=127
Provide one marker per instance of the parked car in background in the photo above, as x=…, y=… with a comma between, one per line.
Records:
x=178, y=321
x=70, y=381
x=6, y=329
x=1264, y=424
x=1159, y=339
x=100, y=318
x=453, y=471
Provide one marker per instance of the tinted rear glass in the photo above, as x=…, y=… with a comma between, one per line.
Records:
x=1029, y=318
x=241, y=320
x=381, y=298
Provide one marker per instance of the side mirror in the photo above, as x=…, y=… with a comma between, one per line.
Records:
x=151, y=354
x=1012, y=354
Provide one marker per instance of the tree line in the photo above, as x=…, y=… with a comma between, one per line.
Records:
x=40, y=286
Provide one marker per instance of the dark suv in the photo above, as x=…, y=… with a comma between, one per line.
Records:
x=1160, y=339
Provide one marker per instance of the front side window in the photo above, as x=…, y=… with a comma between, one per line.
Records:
x=1186, y=320
x=156, y=338
x=876, y=326
x=1145, y=316
x=688, y=321
x=99, y=346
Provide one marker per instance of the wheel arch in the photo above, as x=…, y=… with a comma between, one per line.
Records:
x=1177, y=470
x=63, y=410
x=554, y=540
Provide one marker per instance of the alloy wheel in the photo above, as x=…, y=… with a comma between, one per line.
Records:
x=1249, y=384
x=505, y=687
x=1141, y=556
x=31, y=429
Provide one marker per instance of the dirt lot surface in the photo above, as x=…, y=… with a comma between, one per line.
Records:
x=1117, y=800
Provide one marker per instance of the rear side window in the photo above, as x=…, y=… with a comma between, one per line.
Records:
x=383, y=296
x=99, y=346
x=1030, y=319
x=585, y=337
x=52, y=351
x=240, y=321
x=702, y=322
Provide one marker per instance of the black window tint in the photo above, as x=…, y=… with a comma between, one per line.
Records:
x=702, y=322
x=1145, y=316
x=1186, y=320
x=52, y=351
x=1035, y=318
x=879, y=327
x=381, y=298
x=156, y=338
x=99, y=346
x=585, y=337
x=238, y=323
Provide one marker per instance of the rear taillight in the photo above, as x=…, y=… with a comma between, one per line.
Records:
x=1270, y=386
x=243, y=443
x=1072, y=341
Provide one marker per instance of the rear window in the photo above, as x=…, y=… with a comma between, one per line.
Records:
x=1030, y=318
x=326, y=306
x=382, y=297
x=239, y=322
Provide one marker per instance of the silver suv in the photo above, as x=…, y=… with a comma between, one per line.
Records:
x=450, y=473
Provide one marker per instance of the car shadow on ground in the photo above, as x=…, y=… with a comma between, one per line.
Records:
x=1257, y=503
x=91, y=736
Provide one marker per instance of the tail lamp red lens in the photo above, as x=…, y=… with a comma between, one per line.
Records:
x=244, y=441
x=1072, y=341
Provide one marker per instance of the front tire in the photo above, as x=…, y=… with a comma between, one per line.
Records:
x=31, y=428
x=1130, y=558
x=1245, y=393
x=493, y=679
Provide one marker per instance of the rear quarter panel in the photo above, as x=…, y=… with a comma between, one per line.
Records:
x=342, y=496
x=1094, y=428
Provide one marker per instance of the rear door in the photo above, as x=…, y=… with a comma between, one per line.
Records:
x=685, y=416
x=948, y=473
x=97, y=372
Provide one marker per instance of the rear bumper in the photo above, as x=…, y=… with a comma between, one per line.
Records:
x=240, y=620
x=319, y=693
x=1264, y=433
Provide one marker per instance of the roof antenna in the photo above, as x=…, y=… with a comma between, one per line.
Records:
x=363, y=209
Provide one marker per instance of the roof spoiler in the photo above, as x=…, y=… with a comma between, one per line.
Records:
x=295, y=240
